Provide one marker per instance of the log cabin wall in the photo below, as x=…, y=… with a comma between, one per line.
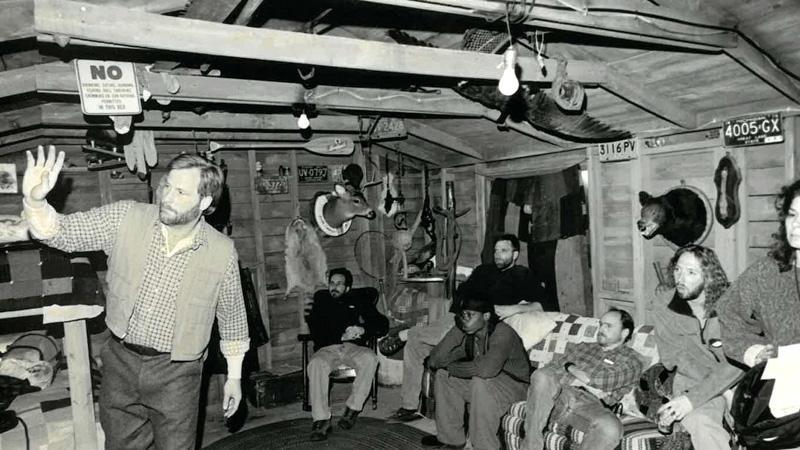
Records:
x=623, y=261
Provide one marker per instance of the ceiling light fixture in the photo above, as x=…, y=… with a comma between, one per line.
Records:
x=509, y=84
x=304, y=112
x=303, y=122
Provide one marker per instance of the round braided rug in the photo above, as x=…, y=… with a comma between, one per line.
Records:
x=367, y=434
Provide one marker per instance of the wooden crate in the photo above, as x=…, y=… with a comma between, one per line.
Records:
x=272, y=390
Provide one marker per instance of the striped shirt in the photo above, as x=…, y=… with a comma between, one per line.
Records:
x=153, y=318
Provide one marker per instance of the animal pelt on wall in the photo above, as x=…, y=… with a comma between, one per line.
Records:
x=306, y=263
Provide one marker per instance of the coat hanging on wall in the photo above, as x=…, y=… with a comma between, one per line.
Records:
x=727, y=179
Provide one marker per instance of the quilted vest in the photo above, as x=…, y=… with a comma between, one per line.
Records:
x=196, y=301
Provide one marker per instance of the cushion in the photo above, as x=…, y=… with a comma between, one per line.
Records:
x=639, y=434
x=569, y=329
x=532, y=326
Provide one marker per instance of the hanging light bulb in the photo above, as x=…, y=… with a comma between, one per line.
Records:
x=303, y=122
x=508, y=81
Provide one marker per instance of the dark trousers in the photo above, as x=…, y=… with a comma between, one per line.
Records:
x=148, y=401
x=488, y=398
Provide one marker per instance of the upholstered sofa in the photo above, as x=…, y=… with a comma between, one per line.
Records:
x=639, y=434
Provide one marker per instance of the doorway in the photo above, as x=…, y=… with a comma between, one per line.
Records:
x=549, y=214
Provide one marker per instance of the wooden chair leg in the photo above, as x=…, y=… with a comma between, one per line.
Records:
x=306, y=405
x=375, y=391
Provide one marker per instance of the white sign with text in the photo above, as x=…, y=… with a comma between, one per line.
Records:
x=619, y=150
x=107, y=87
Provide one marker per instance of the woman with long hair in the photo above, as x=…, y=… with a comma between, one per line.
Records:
x=761, y=310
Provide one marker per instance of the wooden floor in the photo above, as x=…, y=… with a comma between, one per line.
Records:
x=388, y=402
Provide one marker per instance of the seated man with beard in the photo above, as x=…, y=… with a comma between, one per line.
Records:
x=582, y=384
x=340, y=322
x=687, y=334
x=509, y=288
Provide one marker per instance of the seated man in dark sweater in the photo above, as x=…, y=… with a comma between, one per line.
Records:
x=341, y=322
x=480, y=361
x=511, y=289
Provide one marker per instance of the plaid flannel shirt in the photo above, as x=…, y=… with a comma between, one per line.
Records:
x=614, y=371
x=153, y=317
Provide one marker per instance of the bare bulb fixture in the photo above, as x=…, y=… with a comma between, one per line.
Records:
x=509, y=84
x=303, y=122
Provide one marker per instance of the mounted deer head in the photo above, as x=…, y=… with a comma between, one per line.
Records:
x=334, y=210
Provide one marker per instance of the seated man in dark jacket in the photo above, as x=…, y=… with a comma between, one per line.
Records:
x=480, y=361
x=341, y=322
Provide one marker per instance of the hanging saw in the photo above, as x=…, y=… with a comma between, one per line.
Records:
x=327, y=146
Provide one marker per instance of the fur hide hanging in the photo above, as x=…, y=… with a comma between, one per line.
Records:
x=306, y=264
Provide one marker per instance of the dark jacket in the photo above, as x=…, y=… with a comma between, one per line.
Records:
x=508, y=287
x=330, y=316
x=502, y=351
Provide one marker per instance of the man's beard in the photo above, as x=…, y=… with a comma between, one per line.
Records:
x=168, y=216
x=503, y=264
x=691, y=295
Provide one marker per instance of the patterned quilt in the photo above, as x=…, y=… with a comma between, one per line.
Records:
x=639, y=434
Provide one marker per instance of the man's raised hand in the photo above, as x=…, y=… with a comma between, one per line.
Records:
x=41, y=175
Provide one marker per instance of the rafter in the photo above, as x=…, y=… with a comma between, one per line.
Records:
x=63, y=114
x=16, y=20
x=17, y=82
x=59, y=78
x=152, y=31
x=630, y=20
x=442, y=139
x=756, y=62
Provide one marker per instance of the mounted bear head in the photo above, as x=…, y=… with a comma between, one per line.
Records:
x=680, y=215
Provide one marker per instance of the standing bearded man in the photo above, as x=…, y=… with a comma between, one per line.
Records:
x=169, y=275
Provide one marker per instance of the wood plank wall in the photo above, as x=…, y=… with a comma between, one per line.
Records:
x=624, y=262
x=90, y=189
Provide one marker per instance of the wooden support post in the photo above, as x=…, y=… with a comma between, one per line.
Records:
x=481, y=205
x=595, y=225
x=80, y=383
x=104, y=186
x=265, y=351
x=742, y=235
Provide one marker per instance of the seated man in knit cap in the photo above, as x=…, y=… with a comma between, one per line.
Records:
x=340, y=322
x=511, y=289
x=480, y=362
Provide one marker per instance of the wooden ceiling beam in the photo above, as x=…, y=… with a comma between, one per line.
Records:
x=59, y=78
x=20, y=119
x=442, y=139
x=630, y=20
x=412, y=151
x=639, y=94
x=152, y=31
x=70, y=115
x=166, y=136
x=16, y=20
x=153, y=6
x=760, y=65
x=17, y=82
